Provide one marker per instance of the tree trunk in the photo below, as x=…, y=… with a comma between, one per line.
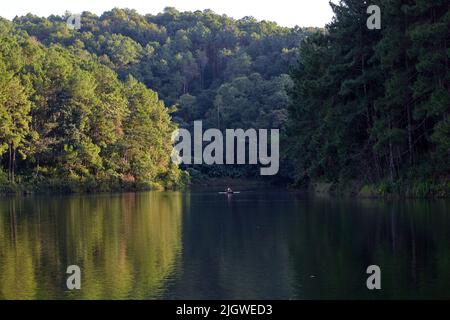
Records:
x=410, y=140
x=10, y=163
x=13, y=166
x=391, y=161
x=408, y=103
x=391, y=154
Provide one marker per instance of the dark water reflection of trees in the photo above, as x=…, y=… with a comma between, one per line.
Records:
x=201, y=245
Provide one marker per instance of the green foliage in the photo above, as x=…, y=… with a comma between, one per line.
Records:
x=176, y=53
x=374, y=105
x=358, y=105
x=223, y=71
x=73, y=124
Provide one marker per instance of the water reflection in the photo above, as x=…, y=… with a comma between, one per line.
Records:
x=273, y=245
x=256, y=245
x=126, y=245
x=409, y=240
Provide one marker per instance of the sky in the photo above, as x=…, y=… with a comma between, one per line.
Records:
x=288, y=13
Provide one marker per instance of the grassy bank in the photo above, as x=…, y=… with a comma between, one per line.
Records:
x=426, y=188
x=68, y=185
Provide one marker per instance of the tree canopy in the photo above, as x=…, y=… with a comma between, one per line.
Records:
x=374, y=105
x=67, y=119
x=99, y=103
x=214, y=68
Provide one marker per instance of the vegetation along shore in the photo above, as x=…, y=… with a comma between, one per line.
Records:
x=361, y=112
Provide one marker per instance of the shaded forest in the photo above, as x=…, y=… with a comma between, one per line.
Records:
x=359, y=107
x=229, y=73
x=373, y=106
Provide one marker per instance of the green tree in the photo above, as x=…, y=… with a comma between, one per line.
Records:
x=14, y=118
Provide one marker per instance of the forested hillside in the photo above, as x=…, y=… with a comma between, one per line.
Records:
x=67, y=123
x=228, y=73
x=200, y=61
x=374, y=105
x=87, y=100
x=367, y=108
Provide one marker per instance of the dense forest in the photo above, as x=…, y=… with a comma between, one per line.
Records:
x=374, y=105
x=199, y=61
x=229, y=73
x=88, y=104
x=94, y=108
x=68, y=123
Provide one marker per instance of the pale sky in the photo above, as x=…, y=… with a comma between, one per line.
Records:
x=285, y=12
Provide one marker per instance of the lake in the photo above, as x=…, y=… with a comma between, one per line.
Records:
x=203, y=245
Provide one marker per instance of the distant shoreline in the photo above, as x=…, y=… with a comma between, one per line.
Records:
x=349, y=189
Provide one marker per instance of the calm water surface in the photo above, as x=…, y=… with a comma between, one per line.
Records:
x=202, y=245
